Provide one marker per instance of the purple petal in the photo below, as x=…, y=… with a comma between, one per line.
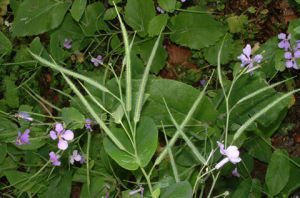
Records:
x=288, y=55
x=99, y=57
x=282, y=36
x=53, y=135
x=68, y=135
x=59, y=128
x=295, y=65
x=247, y=50
x=297, y=54
x=235, y=173
x=62, y=144
x=56, y=163
x=289, y=64
x=281, y=44
x=242, y=57
x=258, y=58
x=96, y=64
x=222, y=151
x=221, y=163
x=289, y=37
x=52, y=155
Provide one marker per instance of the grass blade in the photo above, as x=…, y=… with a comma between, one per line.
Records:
x=142, y=88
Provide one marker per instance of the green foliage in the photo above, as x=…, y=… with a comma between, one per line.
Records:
x=5, y=44
x=11, y=93
x=196, y=30
x=36, y=17
x=73, y=117
x=138, y=14
x=236, y=23
x=77, y=9
x=179, y=190
x=278, y=171
x=167, y=5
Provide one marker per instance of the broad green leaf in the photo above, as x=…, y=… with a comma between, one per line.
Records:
x=167, y=5
x=146, y=143
x=280, y=61
x=269, y=51
x=37, y=47
x=178, y=190
x=97, y=188
x=20, y=181
x=211, y=53
x=293, y=183
x=39, y=16
x=77, y=9
x=11, y=93
x=241, y=113
x=3, y=152
x=195, y=30
x=138, y=14
x=246, y=167
x=93, y=19
x=59, y=187
x=258, y=148
x=8, y=129
x=124, y=159
x=236, y=23
x=292, y=29
x=157, y=24
x=5, y=44
x=160, y=58
x=248, y=188
x=146, y=140
x=72, y=115
x=111, y=13
x=179, y=97
x=278, y=171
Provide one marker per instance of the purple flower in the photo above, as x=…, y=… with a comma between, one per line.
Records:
x=232, y=154
x=246, y=59
x=62, y=135
x=23, y=138
x=107, y=186
x=183, y=1
x=97, y=60
x=75, y=157
x=88, y=123
x=291, y=60
x=235, y=173
x=285, y=41
x=54, y=158
x=202, y=82
x=25, y=116
x=67, y=43
x=141, y=189
x=160, y=10
x=82, y=160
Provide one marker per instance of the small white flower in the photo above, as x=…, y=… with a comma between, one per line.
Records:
x=75, y=157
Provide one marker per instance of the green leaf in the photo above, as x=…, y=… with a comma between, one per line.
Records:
x=36, y=17
x=8, y=129
x=278, y=171
x=60, y=187
x=178, y=190
x=11, y=93
x=146, y=144
x=236, y=23
x=195, y=30
x=77, y=9
x=72, y=115
x=248, y=188
x=293, y=183
x=179, y=97
x=37, y=47
x=97, y=188
x=157, y=24
x=258, y=148
x=160, y=58
x=269, y=51
x=211, y=53
x=20, y=181
x=3, y=151
x=280, y=61
x=138, y=14
x=167, y=5
x=93, y=19
x=146, y=140
x=111, y=13
x=5, y=44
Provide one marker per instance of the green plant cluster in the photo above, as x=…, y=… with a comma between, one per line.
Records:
x=151, y=137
